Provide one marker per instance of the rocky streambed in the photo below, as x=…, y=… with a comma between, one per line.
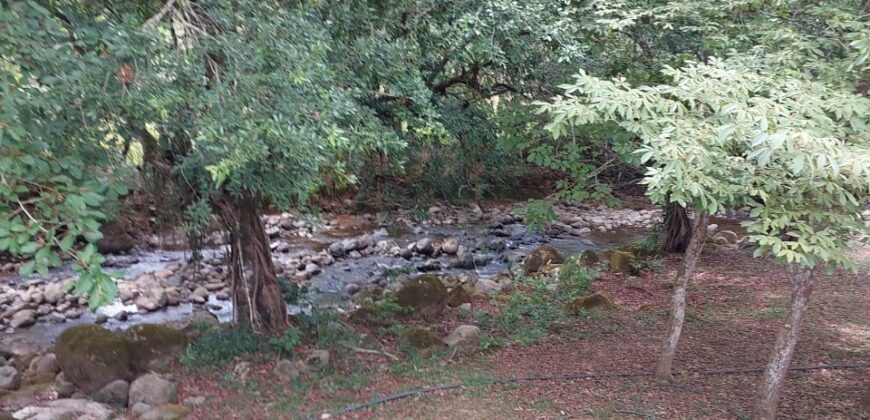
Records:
x=331, y=260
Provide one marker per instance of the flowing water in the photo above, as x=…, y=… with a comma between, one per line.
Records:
x=325, y=288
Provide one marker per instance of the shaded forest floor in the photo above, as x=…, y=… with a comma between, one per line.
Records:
x=735, y=306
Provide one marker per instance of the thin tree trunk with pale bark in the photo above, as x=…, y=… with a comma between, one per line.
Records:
x=777, y=368
x=678, y=306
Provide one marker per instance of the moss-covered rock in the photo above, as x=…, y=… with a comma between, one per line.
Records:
x=147, y=343
x=597, y=300
x=91, y=356
x=166, y=412
x=622, y=262
x=457, y=296
x=589, y=258
x=540, y=257
x=420, y=338
x=425, y=294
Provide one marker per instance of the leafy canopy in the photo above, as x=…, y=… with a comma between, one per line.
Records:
x=776, y=127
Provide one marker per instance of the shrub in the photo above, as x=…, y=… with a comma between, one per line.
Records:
x=222, y=345
x=575, y=278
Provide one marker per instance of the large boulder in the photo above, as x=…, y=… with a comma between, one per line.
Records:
x=91, y=356
x=149, y=343
x=152, y=390
x=425, y=294
x=540, y=257
x=115, y=239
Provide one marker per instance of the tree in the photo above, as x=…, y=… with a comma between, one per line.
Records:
x=234, y=105
x=737, y=128
x=773, y=50
x=60, y=165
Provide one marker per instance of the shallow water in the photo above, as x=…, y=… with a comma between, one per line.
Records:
x=324, y=289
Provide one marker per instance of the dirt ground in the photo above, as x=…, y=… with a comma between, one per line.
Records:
x=735, y=306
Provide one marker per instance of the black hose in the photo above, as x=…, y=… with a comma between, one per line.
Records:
x=501, y=381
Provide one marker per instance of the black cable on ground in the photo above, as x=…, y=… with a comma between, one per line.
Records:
x=501, y=381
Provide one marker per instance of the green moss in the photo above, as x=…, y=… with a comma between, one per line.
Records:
x=425, y=294
x=589, y=258
x=622, y=262
x=541, y=256
x=147, y=343
x=91, y=356
x=457, y=296
x=420, y=338
x=597, y=300
x=166, y=412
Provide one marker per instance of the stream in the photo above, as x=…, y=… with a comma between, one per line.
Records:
x=493, y=248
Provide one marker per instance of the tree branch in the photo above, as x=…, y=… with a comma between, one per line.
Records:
x=159, y=15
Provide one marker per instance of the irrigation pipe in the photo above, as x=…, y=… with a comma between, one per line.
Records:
x=570, y=377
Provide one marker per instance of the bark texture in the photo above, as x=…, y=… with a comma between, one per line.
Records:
x=678, y=228
x=678, y=302
x=256, y=297
x=777, y=368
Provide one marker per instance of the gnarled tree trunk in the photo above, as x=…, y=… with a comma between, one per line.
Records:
x=678, y=228
x=256, y=297
x=774, y=375
x=678, y=306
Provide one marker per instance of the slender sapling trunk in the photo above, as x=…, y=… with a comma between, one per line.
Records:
x=777, y=368
x=678, y=306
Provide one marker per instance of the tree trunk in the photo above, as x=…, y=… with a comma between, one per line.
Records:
x=678, y=308
x=678, y=228
x=774, y=375
x=256, y=297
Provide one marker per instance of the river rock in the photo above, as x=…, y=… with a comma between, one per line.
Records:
x=152, y=299
x=463, y=335
x=91, y=356
x=115, y=393
x=63, y=387
x=621, y=262
x=420, y=338
x=541, y=256
x=450, y=246
x=486, y=287
x=79, y=409
x=150, y=343
x=152, y=390
x=589, y=258
x=317, y=358
x=457, y=296
x=424, y=246
x=166, y=412
x=10, y=379
x=425, y=294
x=287, y=370
x=47, y=364
x=23, y=318
x=597, y=300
